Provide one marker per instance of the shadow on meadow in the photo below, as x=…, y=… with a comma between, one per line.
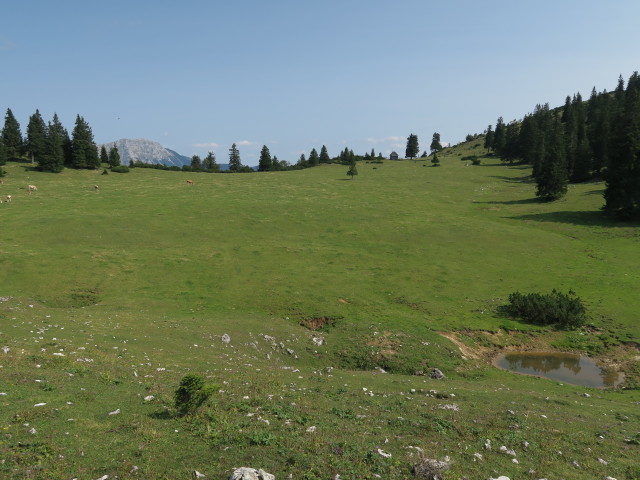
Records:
x=587, y=218
x=524, y=201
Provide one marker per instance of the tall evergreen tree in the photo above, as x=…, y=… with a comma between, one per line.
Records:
x=488, y=138
x=196, y=163
x=412, y=146
x=56, y=128
x=435, y=143
x=499, y=137
x=36, y=137
x=622, y=191
x=104, y=156
x=3, y=153
x=11, y=136
x=265, y=162
x=209, y=163
x=53, y=159
x=235, y=165
x=302, y=161
x=314, y=159
x=553, y=178
x=324, y=155
x=84, y=152
x=114, y=157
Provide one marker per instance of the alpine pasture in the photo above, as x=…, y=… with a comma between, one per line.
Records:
x=338, y=293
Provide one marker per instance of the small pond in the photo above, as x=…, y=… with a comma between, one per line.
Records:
x=563, y=367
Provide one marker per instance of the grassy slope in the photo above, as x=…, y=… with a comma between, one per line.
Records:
x=395, y=255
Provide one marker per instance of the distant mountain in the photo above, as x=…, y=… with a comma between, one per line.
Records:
x=146, y=151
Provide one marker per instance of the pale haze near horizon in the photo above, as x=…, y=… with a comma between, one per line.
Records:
x=198, y=76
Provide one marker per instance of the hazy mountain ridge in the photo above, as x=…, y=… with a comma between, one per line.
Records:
x=146, y=151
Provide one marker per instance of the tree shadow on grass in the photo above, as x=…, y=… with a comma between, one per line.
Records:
x=524, y=201
x=163, y=415
x=587, y=218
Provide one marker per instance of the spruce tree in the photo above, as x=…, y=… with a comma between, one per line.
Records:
x=235, y=165
x=353, y=170
x=499, y=137
x=84, y=152
x=209, y=163
x=488, y=138
x=435, y=143
x=114, y=157
x=553, y=178
x=53, y=159
x=265, y=162
x=302, y=161
x=104, y=156
x=56, y=128
x=314, y=159
x=622, y=191
x=196, y=163
x=11, y=136
x=412, y=146
x=3, y=153
x=36, y=137
x=324, y=155
x=435, y=161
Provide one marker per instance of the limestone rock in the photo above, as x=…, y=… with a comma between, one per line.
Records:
x=436, y=374
x=246, y=473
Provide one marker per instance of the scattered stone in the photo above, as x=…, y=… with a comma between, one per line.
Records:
x=39, y=404
x=507, y=451
x=134, y=469
x=312, y=429
x=319, y=341
x=382, y=453
x=525, y=444
x=381, y=370
x=419, y=373
x=226, y=339
x=610, y=478
x=245, y=473
x=429, y=468
x=586, y=395
x=603, y=462
x=115, y=412
x=33, y=431
x=478, y=456
x=449, y=406
x=436, y=374
x=104, y=477
x=501, y=477
x=197, y=474
x=487, y=444
x=575, y=464
x=148, y=398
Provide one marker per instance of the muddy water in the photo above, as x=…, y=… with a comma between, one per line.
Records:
x=563, y=367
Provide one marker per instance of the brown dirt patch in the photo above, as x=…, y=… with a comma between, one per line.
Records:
x=317, y=323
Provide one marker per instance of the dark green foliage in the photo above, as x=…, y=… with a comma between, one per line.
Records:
x=3, y=153
x=324, y=155
x=3, y=173
x=11, y=136
x=302, y=161
x=235, y=165
x=265, y=163
x=435, y=161
x=488, y=138
x=566, y=310
x=435, y=143
x=314, y=158
x=412, y=146
x=209, y=163
x=36, y=144
x=196, y=163
x=553, y=177
x=192, y=393
x=84, y=152
x=114, y=157
x=120, y=169
x=353, y=170
x=104, y=156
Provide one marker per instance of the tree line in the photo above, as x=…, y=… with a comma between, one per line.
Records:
x=584, y=140
x=48, y=145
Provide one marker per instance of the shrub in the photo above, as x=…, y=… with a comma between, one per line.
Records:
x=476, y=161
x=120, y=169
x=555, y=307
x=3, y=172
x=192, y=393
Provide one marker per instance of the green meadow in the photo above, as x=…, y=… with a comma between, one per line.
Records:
x=109, y=297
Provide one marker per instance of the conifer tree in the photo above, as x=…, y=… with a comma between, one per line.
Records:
x=275, y=164
x=412, y=146
x=622, y=191
x=553, y=178
x=3, y=153
x=302, y=161
x=488, y=138
x=104, y=156
x=435, y=143
x=53, y=158
x=499, y=137
x=314, y=159
x=265, y=162
x=353, y=170
x=435, y=161
x=196, y=163
x=209, y=163
x=36, y=137
x=235, y=165
x=56, y=128
x=84, y=152
x=114, y=157
x=324, y=155
x=11, y=136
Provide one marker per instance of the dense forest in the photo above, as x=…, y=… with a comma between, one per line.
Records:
x=581, y=141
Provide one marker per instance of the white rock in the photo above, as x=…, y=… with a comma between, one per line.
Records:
x=383, y=453
x=478, y=456
x=197, y=474
x=312, y=429
x=245, y=473
x=104, y=477
x=39, y=404
x=603, y=462
x=148, y=398
x=115, y=412
x=33, y=431
x=487, y=444
x=226, y=339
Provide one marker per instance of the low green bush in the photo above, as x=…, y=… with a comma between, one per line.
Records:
x=120, y=169
x=566, y=310
x=192, y=393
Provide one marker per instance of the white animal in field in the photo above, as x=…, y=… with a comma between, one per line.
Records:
x=96, y=188
x=31, y=188
x=8, y=198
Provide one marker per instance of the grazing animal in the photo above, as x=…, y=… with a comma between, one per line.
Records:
x=190, y=182
x=32, y=188
x=8, y=198
x=96, y=188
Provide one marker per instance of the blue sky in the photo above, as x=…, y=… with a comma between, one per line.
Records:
x=294, y=75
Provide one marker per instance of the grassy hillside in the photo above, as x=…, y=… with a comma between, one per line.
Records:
x=133, y=286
